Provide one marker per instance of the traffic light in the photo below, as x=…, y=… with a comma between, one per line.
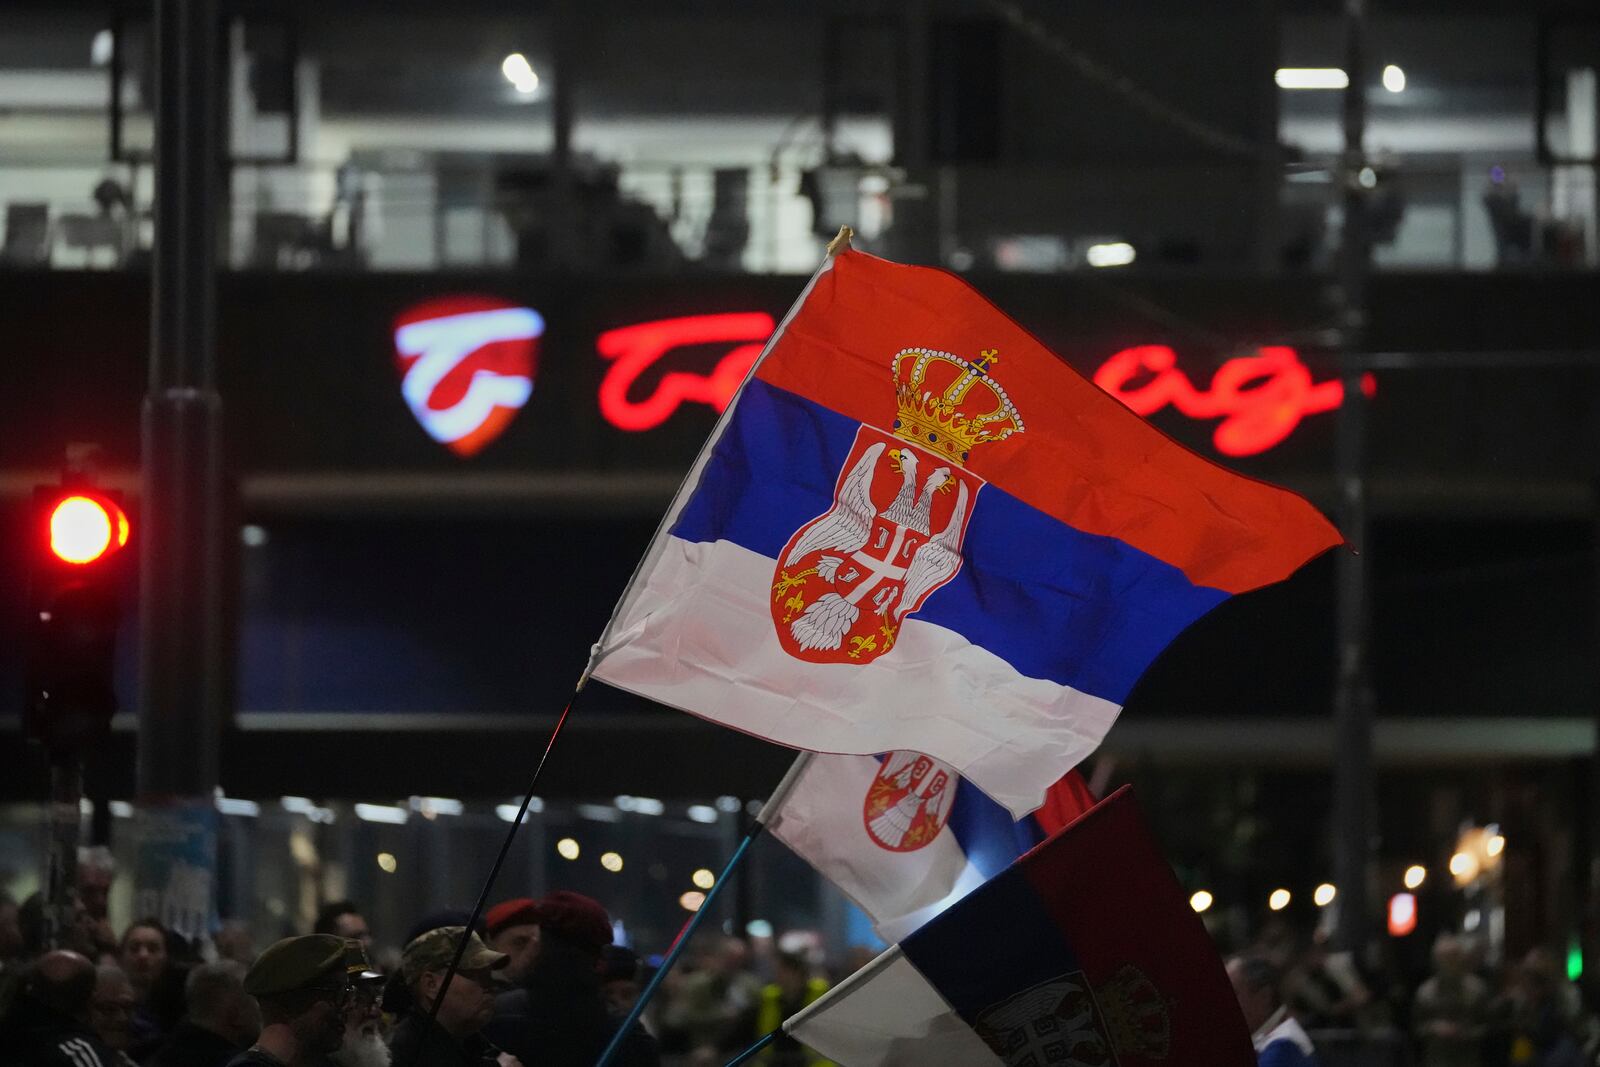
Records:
x=78, y=537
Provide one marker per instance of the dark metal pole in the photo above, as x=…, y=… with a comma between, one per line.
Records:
x=180, y=617
x=1354, y=792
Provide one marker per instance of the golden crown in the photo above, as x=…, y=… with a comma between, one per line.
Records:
x=951, y=405
x=1135, y=1015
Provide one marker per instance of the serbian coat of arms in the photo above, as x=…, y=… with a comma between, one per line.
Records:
x=849, y=578
x=1065, y=1022
x=909, y=801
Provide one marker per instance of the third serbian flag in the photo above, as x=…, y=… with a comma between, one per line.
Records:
x=918, y=528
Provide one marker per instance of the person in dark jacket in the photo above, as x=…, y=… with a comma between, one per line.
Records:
x=49, y=1023
x=451, y=1036
x=559, y=1017
x=301, y=985
x=221, y=1022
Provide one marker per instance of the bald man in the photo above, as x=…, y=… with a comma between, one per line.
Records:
x=53, y=1014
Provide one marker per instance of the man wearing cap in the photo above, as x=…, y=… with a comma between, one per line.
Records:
x=559, y=1017
x=362, y=1045
x=302, y=986
x=449, y=1038
x=514, y=929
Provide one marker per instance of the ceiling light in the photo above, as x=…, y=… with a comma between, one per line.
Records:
x=1323, y=895
x=1394, y=79
x=1312, y=78
x=567, y=848
x=1416, y=874
x=1278, y=900
x=1201, y=901
x=1113, y=254
x=611, y=861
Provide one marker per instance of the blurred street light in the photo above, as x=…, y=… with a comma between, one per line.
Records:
x=1416, y=874
x=1279, y=899
x=1201, y=901
x=1312, y=78
x=1394, y=79
x=1324, y=894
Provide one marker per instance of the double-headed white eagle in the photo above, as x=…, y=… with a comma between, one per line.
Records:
x=847, y=527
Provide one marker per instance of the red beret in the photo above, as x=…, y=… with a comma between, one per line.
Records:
x=519, y=912
x=578, y=918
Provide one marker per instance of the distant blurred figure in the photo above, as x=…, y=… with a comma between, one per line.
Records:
x=11, y=943
x=111, y=1009
x=1279, y=1040
x=343, y=919
x=792, y=990
x=1547, y=1017
x=620, y=979
x=146, y=957
x=222, y=1020
x=1451, y=1011
x=717, y=1005
x=513, y=928
x=97, y=870
x=49, y=1025
x=1324, y=991
x=235, y=941
x=452, y=1036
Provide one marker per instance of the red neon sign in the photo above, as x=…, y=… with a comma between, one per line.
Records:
x=1260, y=399
x=635, y=349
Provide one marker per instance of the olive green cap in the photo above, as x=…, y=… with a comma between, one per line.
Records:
x=434, y=950
x=296, y=963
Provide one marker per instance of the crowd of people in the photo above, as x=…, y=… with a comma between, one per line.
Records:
x=1309, y=1005
x=539, y=983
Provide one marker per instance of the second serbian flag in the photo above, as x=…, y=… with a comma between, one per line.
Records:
x=918, y=528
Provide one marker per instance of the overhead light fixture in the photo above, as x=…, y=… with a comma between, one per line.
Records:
x=704, y=878
x=384, y=813
x=611, y=861
x=1112, y=254
x=519, y=72
x=567, y=848
x=1312, y=78
x=1324, y=894
x=702, y=813
x=387, y=862
x=233, y=806
x=1394, y=79
x=1278, y=900
x=1201, y=901
x=692, y=900
x=1415, y=875
x=508, y=812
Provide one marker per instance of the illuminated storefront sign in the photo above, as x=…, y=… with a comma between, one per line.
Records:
x=633, y=350
x=1260, y=399
x=466, y=366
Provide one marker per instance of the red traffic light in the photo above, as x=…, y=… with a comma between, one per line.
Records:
x=84, y=528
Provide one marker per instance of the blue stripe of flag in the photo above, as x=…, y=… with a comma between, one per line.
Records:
x=999, y=939
x=1056, y=603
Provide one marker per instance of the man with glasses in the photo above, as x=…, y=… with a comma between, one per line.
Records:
x=451, y=1038
x=303, y=986
x=363, y=1044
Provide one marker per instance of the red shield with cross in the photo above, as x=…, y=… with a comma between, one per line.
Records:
x=848, y=579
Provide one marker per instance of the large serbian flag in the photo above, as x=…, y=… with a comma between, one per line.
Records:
x=917, y=528
x=905, y=837
x=1083, y=952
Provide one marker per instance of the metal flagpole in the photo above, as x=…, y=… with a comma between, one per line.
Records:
x=760, y=1044
x=768, y=811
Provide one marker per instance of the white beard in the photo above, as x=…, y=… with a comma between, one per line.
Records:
x=362, y=1050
